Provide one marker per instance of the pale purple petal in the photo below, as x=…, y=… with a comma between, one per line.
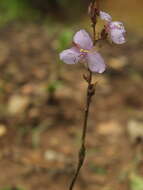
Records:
x=70, y=56
x=116, y=32
x=105, y=16
x=117, y=36
x=117, y=25
x=95, y=62
x=83, y=40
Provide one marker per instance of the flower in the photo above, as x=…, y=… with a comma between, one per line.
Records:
x=105, y=16
x=83, y=51
x=115, y=30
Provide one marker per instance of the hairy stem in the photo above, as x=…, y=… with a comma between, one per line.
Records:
x=82, y=151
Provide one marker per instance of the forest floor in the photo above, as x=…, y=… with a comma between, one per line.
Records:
x=40, y=129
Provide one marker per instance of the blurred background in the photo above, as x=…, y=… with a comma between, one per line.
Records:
x=39, y=134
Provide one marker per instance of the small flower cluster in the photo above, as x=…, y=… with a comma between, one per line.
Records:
x=83, y=49
x=114, y=29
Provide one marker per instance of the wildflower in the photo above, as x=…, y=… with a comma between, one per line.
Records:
x=83, y=51
x=115, y=30
x=105, y=16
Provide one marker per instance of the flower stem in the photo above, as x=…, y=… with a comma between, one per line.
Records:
x=90, y=93
x=94, y=34
x=82, y=151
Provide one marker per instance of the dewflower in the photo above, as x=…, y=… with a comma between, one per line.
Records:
x=115, y=29
x=83, y=51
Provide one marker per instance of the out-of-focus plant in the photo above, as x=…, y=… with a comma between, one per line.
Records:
x=11, y=10
x=63, y=42
x=51, y=89
x=64, y=39
x=56, y=81
x=136, y=182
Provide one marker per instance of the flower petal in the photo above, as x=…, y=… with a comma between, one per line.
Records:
x=83, y=40
x=105, y=16
x=117, y=25
x=117, y=36
x=70, y=56
x=117, y=31
x=95, y=62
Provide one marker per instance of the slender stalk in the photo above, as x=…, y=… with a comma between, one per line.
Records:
x=94, y=34
x=82, y=151
x=90, y=93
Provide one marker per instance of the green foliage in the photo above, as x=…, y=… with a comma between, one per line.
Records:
x=136, y=182
x=64, y=39
x=53, y=86
x=11, y=10
x=14, y=9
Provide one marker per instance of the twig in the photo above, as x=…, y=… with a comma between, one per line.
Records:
x=82, y=151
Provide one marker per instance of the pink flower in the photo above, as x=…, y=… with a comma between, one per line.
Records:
x=115, y=30
x=83, y=51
